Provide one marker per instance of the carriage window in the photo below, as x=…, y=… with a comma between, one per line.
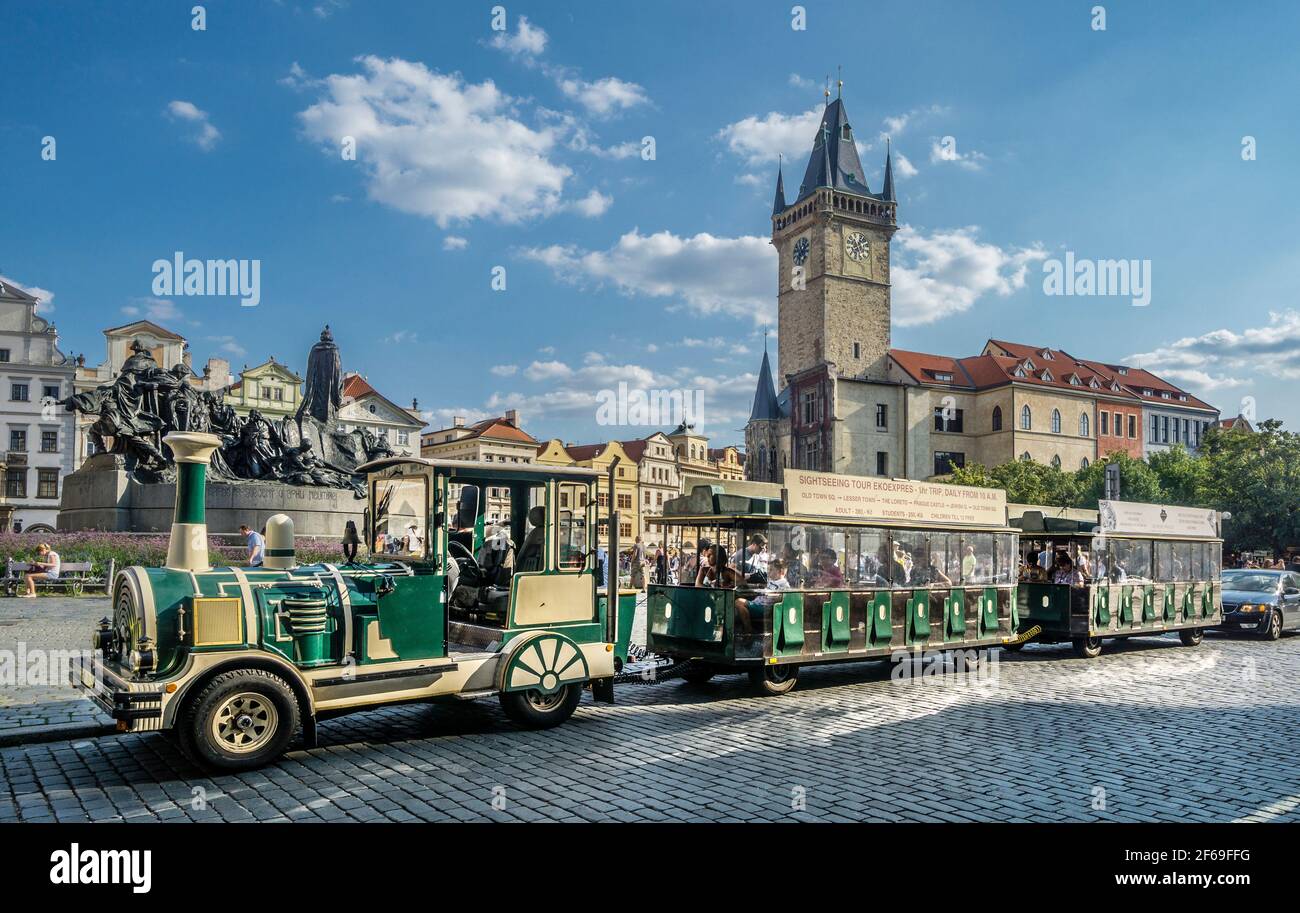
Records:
x=874, y=560
x=826, y=552
x=1006, y=567
x=985, y=554
x=1213, y=561
x=945, y=559
x=1164, y=568
x=790, y=543
x=572, y=527
x=400, y=513
x=1182, y=561
x=910, y=552
x=1198, y=561
x=1132, y=560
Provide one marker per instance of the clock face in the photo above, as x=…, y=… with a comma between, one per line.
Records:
x=801, y=251
x=857, y=246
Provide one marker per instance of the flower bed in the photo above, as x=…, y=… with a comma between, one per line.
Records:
x=147, y=549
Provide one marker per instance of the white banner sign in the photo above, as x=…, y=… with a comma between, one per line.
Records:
x=823, y=494
x=1156, y=520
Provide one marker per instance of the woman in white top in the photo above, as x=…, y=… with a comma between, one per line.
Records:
x=47, y=566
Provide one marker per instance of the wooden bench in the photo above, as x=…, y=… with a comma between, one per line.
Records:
x=75, y=577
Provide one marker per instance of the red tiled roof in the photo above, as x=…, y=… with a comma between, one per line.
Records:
x=354, y=385
x=1138, y=379
x=499, y=428
x=581, y=452
x=634, y=449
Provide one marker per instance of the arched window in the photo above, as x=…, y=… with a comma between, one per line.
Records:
x=1056, y=462
x=1083, y=424
x=1083, y=464
x=1025, y=418
x=997, y=418
x=1056, y=421
x=1025, y=457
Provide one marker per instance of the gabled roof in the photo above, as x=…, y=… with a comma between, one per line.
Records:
x=1138, y=380
x=9, y=290
x=144, y=326
x=981, y=372
x=497, y=429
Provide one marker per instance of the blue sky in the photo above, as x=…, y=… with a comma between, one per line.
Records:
x=478, y=149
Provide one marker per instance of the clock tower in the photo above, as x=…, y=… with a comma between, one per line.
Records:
x=833, y=243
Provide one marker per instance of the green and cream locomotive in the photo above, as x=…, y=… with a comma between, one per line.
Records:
x=1138, y=569
x=234, y=662
x=832, y=568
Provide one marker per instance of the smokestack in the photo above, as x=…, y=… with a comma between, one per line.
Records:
x=188, y=548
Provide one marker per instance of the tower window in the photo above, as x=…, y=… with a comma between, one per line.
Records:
x=1025, y=418
x=857, y=350
x=882, y=463
x=882, y=416
x=997, y=418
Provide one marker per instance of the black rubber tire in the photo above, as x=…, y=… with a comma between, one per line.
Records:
x=195, y=724
x=698, y=673
x=771, y=680
x=1274, y=629
x=1191, y=637
x=1013, y=648
x=528, y=709
x=1087, y=647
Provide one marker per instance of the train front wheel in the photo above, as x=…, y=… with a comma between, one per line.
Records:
x=1191, y=637
x=772, y=680
x=539, y=710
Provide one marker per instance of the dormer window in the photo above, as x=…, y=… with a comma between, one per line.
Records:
x=1094, y=384
x=1123, y=370
x=846, y=133
x=1029, y=365
x=1114, y=386
x=1047, y=375
x=946, y=378
x=1164, y=394
x=1182, y=397
x=1019, y=371
x=1074, y=381
x=1147, y=392
x=1046, y=353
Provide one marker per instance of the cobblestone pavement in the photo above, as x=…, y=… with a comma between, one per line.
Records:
x=53, y=623
x=1149, y=731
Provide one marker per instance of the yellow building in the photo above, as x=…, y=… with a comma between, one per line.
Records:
x=493, y=440
x=729, y=461
x=270, y=388
x=600, y=456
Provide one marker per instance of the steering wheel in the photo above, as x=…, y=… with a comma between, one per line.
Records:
x=464, y=558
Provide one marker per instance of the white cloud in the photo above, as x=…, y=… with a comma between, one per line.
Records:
x=1217, y=359
x=903, y=167
x=800, y=82
x=706, y=274
x=896, y=124
x=504, y=370
x=452, y=242
x=187, y=111
x=435, y=146
x=547, y=370
x=946, y=272
x=758, y=140
x=603, y=97
x=942, y=150
x=229, y=345
x=593, y=204
x=402, y=336
x=155, y=309
x=45, y=298
x=547, y=350
x=528, y=40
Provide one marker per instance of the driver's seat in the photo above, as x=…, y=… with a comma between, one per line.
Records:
x=530, y=556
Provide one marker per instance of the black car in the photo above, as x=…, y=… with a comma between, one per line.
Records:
x=1263, y=601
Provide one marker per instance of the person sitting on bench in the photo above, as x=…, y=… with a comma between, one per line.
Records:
x=45, y=567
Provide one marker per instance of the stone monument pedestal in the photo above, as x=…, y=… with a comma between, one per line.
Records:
x=101, y=495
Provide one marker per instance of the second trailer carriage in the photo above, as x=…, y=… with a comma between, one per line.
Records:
x=1140, y=569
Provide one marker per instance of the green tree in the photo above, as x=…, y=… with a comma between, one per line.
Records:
x=1256, y=477
x=1024, y=481
x=1181, y=476
x=1137, y=481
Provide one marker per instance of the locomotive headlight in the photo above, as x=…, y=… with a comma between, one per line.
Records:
x=142, y=659
x=102, y=639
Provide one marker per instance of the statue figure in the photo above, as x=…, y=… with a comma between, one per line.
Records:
x=143, y=403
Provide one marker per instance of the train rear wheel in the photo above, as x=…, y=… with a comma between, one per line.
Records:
x=773, y=680
x=1191, y=637
x=1087, y=647
x=240, y=720
x=538, y=710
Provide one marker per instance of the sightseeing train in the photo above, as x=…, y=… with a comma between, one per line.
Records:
x=233, y=663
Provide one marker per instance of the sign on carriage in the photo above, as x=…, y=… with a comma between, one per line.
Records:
x=1157, y=520
x=824, y=494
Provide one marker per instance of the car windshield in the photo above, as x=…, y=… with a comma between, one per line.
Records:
x=1247, y=582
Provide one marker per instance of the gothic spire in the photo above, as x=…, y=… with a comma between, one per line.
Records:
x=766, y=407
x=778, y=204
x=888, y=192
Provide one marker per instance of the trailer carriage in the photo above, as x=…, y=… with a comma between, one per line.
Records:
x=873, y=567
x=1143, y=569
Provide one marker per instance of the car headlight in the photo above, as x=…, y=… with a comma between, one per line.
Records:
x=1254, y=609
